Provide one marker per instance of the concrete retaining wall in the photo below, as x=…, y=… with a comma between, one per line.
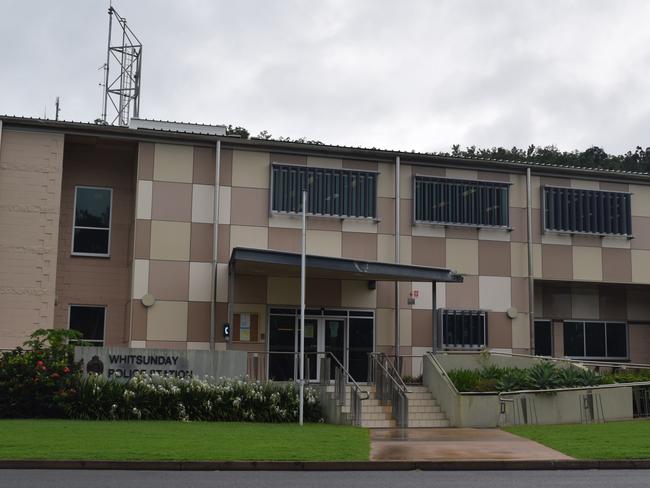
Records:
x=483, y=410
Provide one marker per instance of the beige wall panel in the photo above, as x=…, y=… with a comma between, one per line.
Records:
x=494, y=293
x=203, y=204
x=222, y=282
x=640, y=266
x=248, y=236
x=585, y=303
x=405, y=181
x=30, y=193
x=202, y=237
x=289, y=240
x=617, y=265
x=199, y=321
x=198, y=346
x=144, y=199
x=494, y=235
x=386, y=180
x=639, y=338
x=358, y=245
x=616, y=242
x=251, y=169
x=386, y=215
x=462, y=255
x=640, y=200
x=463, y=295
x=145, y=160
x=355, y=294
x=385, y=327
x=557, y=239
x=427, y=230
x=283, y=291
x=171, y=201
x=324, y=243
x=463, y=174
x=170, y=240
x=318, y=162
x=167, y=321
x=518, y=190
x=173, y=163
x=641, y=230
x=519, y=259
x=557, y=262
x=519, y=294
x=405, y=328
x=386, y=248
x=249, y=206
x=138, y=344
x=424, y=301
x=537, y=260
x=169, y=280
x=224, y=204
x=355, y=225
x=140, y=278
x=204, y=165
x=200, y=282
x=499, y=331
x=441, y=295
x=585, y=184
x=521, y=332
x=285, y=221
x=587, y=263
x=405, y=249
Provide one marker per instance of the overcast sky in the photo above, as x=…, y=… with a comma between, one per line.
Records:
x=405, y=75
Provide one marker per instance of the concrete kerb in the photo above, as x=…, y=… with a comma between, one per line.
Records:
x=519, y=465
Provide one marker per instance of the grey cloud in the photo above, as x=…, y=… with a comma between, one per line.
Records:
x=413, y=75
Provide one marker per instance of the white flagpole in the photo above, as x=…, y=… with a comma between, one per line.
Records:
x=302, y=304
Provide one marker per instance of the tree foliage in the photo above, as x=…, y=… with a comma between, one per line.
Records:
x=593, y=157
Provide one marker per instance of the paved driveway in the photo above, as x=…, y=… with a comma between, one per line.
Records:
x=455, y=444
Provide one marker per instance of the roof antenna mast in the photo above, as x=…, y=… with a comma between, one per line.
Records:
x=124, y=58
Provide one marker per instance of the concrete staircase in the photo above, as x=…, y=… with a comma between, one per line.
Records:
x=423, y=409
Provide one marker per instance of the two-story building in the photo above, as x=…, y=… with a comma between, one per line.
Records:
x=158, y=234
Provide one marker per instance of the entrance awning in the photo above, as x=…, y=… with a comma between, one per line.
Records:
x=263, y=262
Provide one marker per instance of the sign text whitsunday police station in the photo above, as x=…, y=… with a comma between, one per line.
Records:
x=123, y=362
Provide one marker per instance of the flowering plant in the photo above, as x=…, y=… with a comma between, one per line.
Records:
x=36, y=379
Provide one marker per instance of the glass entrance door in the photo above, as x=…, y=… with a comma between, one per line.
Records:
x=334, y=340
x=321, y=335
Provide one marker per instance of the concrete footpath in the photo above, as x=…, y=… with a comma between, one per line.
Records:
x=456, y=445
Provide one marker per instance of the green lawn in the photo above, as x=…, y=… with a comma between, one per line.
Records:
x=613, y=440
x=180, y=441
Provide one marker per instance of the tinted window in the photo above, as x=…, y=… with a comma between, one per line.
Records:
x=587, y=211
x=461, y=202
x=89, y=321
x=574, y=340
x=91, y=229
x=543, y=338
x=330, y=192
x=463, y=328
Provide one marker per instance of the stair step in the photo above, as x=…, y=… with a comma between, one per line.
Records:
x=419, y=395
x=426, y=416
x=424, y=408
x=428, y=423
x=422, y=401
x=378, y=424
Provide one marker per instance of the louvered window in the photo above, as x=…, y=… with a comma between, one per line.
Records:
x=462, y=329
x=587, y=211
x=460, y=202
x=330, y=192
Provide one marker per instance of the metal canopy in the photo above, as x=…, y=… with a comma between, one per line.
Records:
x=245, y=261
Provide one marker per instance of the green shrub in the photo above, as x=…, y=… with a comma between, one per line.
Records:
x=464, y=379
x=154, y=397
x=514, y=379
x=36, y=380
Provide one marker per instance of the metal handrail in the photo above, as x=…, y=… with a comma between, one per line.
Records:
x=586, y=362
x=342, y=379
x=391, y=370
x=389, y=389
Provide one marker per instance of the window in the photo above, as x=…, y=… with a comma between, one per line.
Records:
x=91, y=229
x=594, y=339
x=460, y=202
x=587, y=211
x=463, y=329
x=330, y=192
x=543, y=338
x=89, y=320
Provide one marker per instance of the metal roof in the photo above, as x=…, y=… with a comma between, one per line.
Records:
x=333, y=150
x=264, y=262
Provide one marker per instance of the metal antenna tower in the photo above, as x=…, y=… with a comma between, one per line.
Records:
x=121, y=92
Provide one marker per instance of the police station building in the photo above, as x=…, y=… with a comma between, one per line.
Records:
x=158, y=234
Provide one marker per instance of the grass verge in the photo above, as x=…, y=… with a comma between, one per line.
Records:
x=613, y=440
x=180, y=441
